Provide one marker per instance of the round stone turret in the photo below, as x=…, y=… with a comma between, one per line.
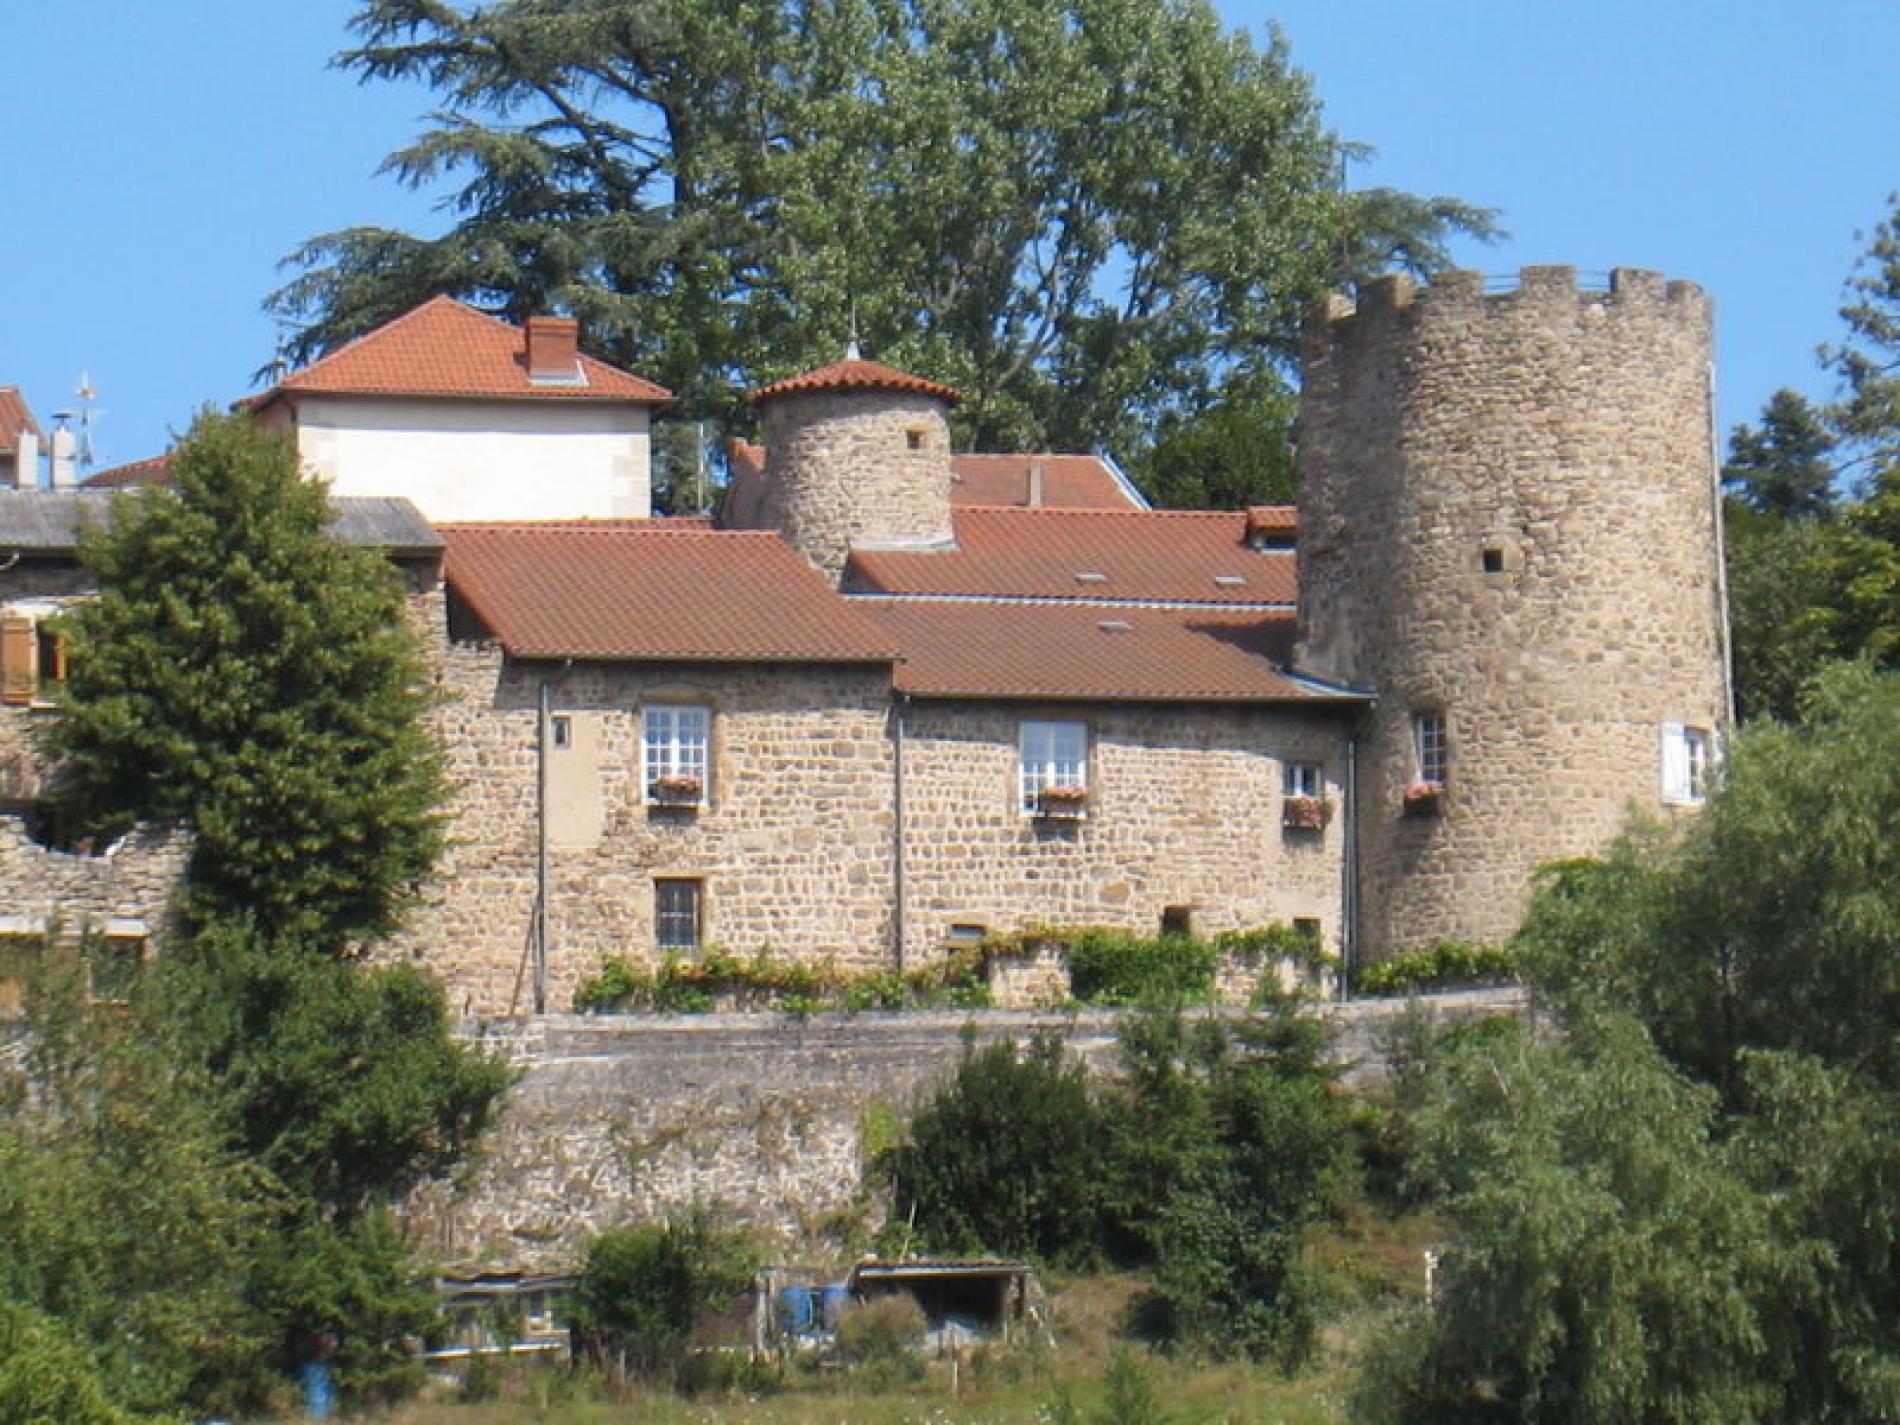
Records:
x=857, y=456
x=1510, y=533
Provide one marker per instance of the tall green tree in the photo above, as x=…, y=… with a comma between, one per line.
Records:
x=1682, y=1207
x=243, y=674
x=1785, y=465
x=1087, y=214
x=1868, y=361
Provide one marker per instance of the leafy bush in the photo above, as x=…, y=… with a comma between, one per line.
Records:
x=717, y=978
x=1207, y=1161
x=46, y=1378
x=1444, y=964
x=885, y=1331
x=1112, y=967
x=644, y=1288
x=1006, y=1157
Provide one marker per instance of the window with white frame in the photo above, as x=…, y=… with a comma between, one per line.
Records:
x=676, y=921
x=1688, y=758
x=1431, y=748
x=1054, y=758
x=1302, y=779
x=676, y=738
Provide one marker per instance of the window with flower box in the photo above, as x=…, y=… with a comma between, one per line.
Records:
x=1304, y=805
x=677, y=737
x=1053, y=768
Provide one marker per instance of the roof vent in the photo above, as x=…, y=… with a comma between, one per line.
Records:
x=1090, y=576
x=1117, y=625
x=1231, y=581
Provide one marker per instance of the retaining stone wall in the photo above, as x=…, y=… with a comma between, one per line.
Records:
x=622, y=1119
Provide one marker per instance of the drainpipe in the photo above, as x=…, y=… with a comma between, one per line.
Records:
x=541, y=858
x=541, y=877
x=1349, y=870
x=897, y=833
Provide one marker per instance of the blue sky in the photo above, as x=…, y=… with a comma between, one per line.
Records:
x=160, y=168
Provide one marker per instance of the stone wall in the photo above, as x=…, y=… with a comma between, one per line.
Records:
x=846, y=468
x=1184, y=812
x=125, y=890
x=768, y=1115
x=793, y=846
x=1509, y=518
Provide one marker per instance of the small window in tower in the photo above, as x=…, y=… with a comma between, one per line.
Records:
x=1494, y=561
x=1177, y=920
x=914, y=438
x=1430, y=749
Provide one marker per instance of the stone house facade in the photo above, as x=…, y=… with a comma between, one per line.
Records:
x=895, y=697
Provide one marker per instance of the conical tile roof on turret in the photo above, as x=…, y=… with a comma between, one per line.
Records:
x=854, y=373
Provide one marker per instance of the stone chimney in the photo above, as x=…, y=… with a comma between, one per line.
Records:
x=554, y=357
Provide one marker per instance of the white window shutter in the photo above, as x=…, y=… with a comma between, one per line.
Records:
x=1675, y=763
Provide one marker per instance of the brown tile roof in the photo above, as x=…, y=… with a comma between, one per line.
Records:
x=1149, y=555
x=153, y=470
x=15, y=416
x=856, y=374
x=446, y=349
x=642, y=591
x=1069, y=482
x=1270, y=520
x=1083, y=652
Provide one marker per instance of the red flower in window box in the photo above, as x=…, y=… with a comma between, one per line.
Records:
x=677, y=790
x=1306, y=813
x=1424, y=798
x=1062, y=799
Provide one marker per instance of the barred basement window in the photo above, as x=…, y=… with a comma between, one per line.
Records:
x=676, y=906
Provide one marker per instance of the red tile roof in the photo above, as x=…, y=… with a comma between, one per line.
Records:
x=1069, y=482
x=446, y=349
x=856, y=374
x=1149, y=555
x=642, y=591
x=153, y=470
x=15, y=416
x=1084, y=652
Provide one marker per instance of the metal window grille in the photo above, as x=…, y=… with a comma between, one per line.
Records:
x=676, y=915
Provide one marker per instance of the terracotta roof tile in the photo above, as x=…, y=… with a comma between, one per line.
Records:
x=856, y=374
x=1069, y=482
x=15, y=416
x=640, y=590
x=1083, y=652
x=447, y=349
x=153, y=470
x=1148, y=555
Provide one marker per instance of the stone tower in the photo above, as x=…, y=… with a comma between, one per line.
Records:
x=1510, y=533
x=857, y=456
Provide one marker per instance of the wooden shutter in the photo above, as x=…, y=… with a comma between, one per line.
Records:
x=19, y=659
x=1675, y=763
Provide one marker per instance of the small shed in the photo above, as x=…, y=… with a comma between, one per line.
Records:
x=963, y=1301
